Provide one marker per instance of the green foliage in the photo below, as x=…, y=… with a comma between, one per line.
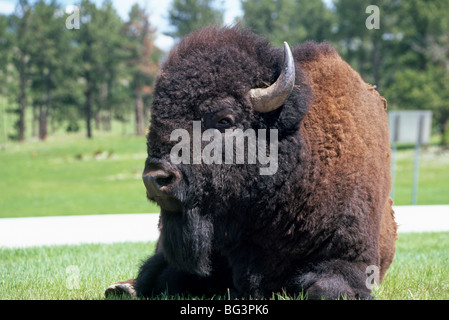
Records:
x=421, y=89
x=113, y=95
x=421, y=70
x=68, y=74
x=49, y=59
x=141, y=60
x=4, y=46
x=21, y=42
x=288, y=20
x=188, y=15
x=98, y=44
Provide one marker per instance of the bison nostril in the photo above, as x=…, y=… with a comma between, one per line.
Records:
x=162, y=181
x=156, y=180
x=161, y=186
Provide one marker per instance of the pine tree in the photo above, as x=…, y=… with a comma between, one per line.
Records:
x=22, y=33
x=113, y=65
x=5, y=61
x=288, y=20
x=49, y=57
x=188, y=15
x=93, y=45
x=141, y=60
x=420, y=77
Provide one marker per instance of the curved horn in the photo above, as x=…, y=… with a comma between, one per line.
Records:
x=271, y=98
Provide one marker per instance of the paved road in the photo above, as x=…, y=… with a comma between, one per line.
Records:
x=27, y=232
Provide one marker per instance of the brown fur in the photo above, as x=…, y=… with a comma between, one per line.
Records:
x=344, y=100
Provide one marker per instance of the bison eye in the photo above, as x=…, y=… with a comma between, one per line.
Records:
x=226, y=122
x=220, y=120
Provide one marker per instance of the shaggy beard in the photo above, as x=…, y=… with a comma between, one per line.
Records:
x=187, y=241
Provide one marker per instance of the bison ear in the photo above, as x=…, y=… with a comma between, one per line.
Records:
x=269, y=99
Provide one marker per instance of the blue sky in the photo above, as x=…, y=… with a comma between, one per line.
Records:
x=158, y=10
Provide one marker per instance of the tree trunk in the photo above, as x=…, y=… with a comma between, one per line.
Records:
x=22, y=101
x=35, y=120
x=376, y=62
x=146, y=110
x=88, y=111
x=88, y=105
x=444, y=133
x=103, y=104
x=52, y=117
x=43, y=115
x=98, y=120
x=87, y=59
x=106, y=120
x=44, y=110
x=139, y=114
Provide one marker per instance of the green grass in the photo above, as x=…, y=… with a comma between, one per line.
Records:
x=433, y=178
x=420, y=269
x=71, y=175
x=68, y=272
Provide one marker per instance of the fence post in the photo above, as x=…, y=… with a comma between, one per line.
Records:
x=416, y=162
x=393, y=153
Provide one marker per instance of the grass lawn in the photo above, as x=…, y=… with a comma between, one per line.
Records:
x=433, y=178
x=420, y=269
x=71, y=175
x=68, y=272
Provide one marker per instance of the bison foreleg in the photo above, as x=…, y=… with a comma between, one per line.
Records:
x=156, y=277
x=145, y=285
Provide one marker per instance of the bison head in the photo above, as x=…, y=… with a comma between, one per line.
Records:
x=220, y=81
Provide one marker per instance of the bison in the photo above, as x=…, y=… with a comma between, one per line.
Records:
x=321, y=224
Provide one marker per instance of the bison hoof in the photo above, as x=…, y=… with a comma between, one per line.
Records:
x=125, y=288
x=335, y=288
